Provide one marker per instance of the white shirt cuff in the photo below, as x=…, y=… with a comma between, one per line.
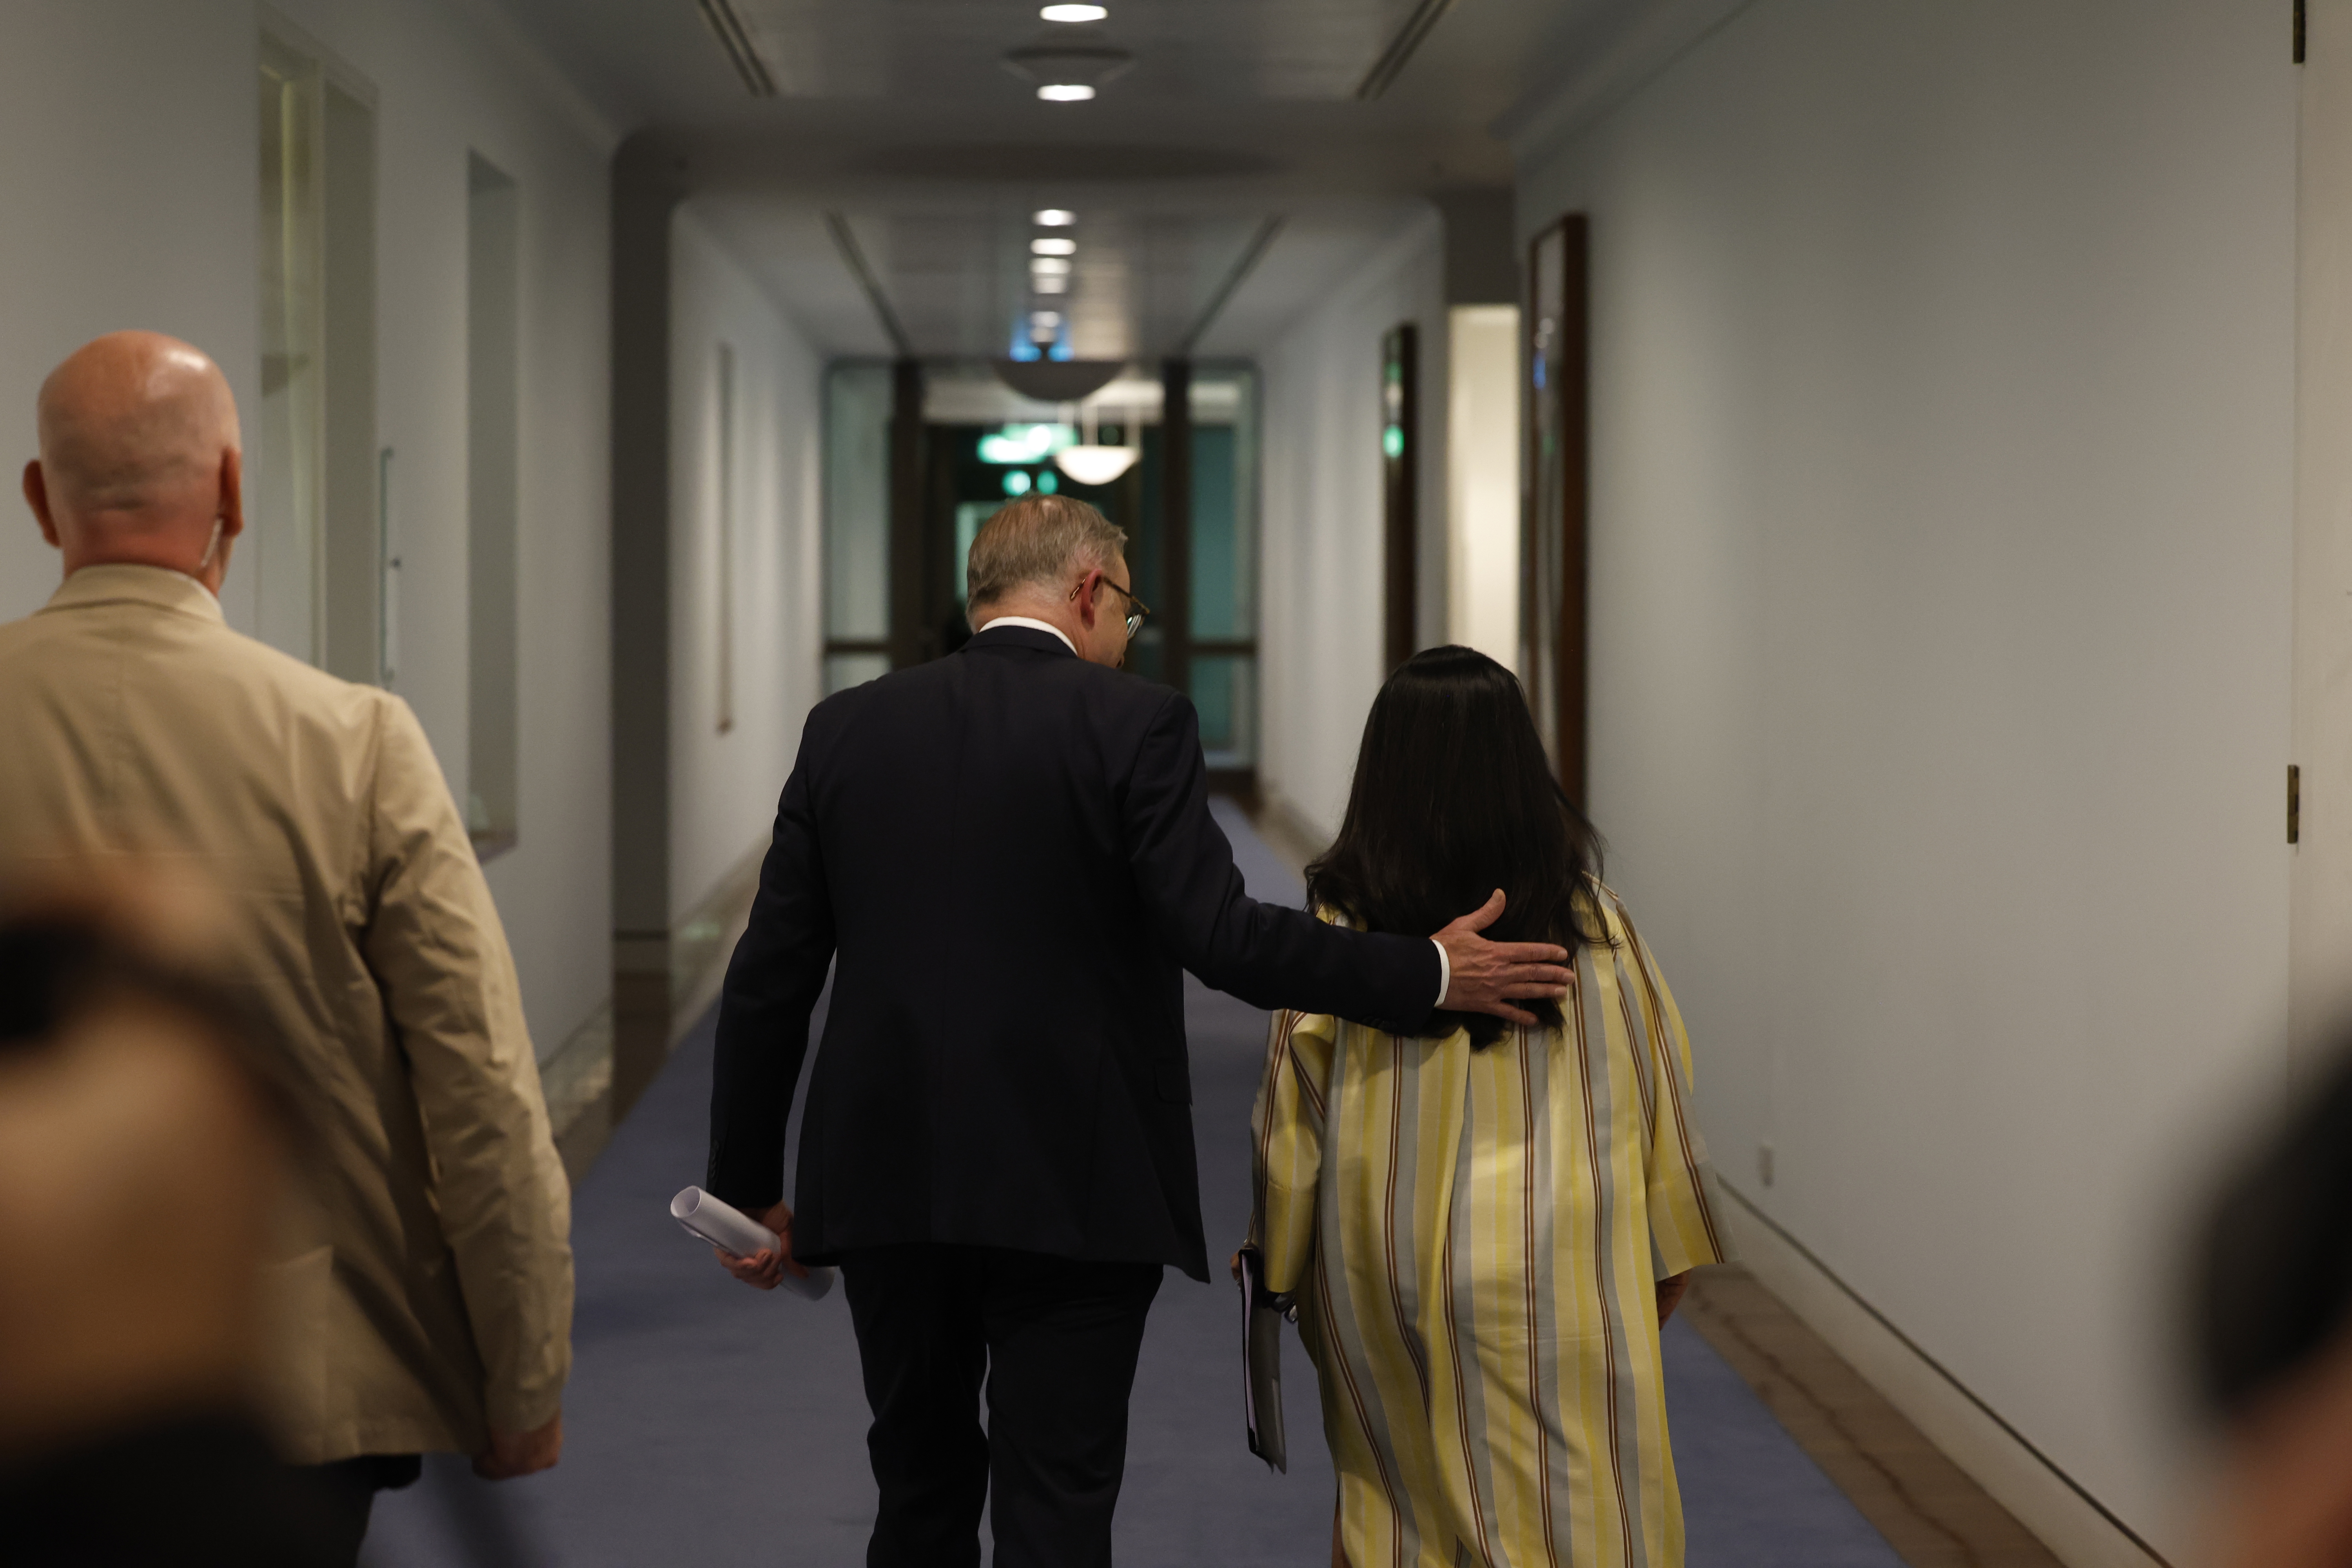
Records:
x=1444, y=971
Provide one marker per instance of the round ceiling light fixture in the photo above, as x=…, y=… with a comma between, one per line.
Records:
x=1096, y=464
x=1057, y=380
x=1068, y=72
x=1053, y=218
x=1052, y=247
x=1074, y=13
x=1090, y=462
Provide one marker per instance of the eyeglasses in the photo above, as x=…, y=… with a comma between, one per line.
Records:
x=1138, y=611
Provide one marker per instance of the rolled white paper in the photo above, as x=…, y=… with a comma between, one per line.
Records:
x=724, y=1226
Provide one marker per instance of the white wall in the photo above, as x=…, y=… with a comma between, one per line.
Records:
x=140, y=218
x=1943, y=440
x=723, y=787
x=1320, y=628
x=1482, y=480
x=129, y=159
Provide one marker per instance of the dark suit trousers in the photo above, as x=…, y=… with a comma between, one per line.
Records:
x=1054, y=1342
x=200, y=1491
x=347, y=1488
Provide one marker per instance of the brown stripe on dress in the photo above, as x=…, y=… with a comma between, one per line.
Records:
x=1347, y=1066
x=1465, y=1198
x=1284, y=1022
x=1674, y=1077
x=1528, y=1272
x=1405, y=1329
x=1603, y=1275
x=1356, y=1398
x=1638, y=1023
x=1307, y=1079
x=1556, y=1157
x=1462, y=1398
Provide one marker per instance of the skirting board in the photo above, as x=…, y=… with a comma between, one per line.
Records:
x=663, y=984
x=726, y=912
x=2067, y=1519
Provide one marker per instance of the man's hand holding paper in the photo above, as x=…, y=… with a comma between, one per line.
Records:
x=766, y=1268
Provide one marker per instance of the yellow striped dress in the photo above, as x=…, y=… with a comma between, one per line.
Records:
x=1475, y=1236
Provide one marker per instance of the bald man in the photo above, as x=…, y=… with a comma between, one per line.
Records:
x=424, y=1287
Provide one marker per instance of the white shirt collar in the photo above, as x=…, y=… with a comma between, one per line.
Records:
x=1033, y=625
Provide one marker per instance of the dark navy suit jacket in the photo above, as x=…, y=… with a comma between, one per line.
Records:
x=1008, y=857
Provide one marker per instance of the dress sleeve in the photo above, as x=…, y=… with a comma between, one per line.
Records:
x=1686, y=1220
x=1287, y=1144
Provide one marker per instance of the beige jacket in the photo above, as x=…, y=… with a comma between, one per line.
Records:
x=427, y=1288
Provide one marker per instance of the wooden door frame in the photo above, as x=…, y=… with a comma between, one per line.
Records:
x=1568, y=631
x=1399, y=495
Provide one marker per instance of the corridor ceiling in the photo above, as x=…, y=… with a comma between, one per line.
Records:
x=897, y=138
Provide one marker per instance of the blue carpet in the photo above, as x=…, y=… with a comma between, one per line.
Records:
x=707, y=1423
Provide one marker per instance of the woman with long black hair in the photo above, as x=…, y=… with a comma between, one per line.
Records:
x=1486, y=1226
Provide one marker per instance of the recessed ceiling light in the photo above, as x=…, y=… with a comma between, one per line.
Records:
x=1049, y=266
x=1054, y=217
x=1046, y=321
x=1074, y=13
x=1050, y=285
x=1065, y=93
x=1052, y=247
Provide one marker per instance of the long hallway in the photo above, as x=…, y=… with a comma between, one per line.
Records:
x=1896, y=450
x=709, y=1422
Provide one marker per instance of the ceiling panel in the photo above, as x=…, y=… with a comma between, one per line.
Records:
x=898, y=115
x=924, y=64
x=956, y=275
x=1190, y=48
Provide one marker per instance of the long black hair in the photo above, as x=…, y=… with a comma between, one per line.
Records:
x=1453, y=799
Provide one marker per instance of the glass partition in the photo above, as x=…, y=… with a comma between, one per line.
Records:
x=1224, y=550
x=983, y=444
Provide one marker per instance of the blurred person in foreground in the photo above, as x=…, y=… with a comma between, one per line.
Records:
x=1007, y=861
x=424, y=1289
x=2271, y=1321
x=144, y=1142
x=1486, y=1224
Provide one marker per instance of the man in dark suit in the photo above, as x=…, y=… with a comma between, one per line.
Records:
x=1007, y=857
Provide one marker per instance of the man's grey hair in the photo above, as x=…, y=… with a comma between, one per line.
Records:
x=1044, y=539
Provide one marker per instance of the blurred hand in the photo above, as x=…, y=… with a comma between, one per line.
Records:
x=1489, y=976
x=2280, y=1501
x=513, y=1453
x=1235, y=1267
x=764, y=1267
x=135, y=1116
x=1670, y=1294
